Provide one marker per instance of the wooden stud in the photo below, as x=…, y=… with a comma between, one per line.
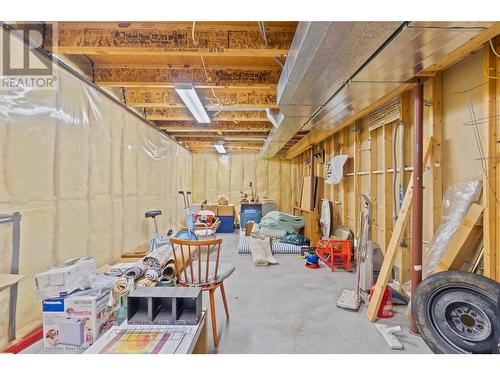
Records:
x=489, y=180
x=403, y=258
x=390, y=254
x=373, y=182
x=387, y=163
x=356, y=180
x=437, y=151
x=344, y=140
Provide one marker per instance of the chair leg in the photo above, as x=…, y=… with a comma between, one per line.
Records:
x=212, y=313
x=222, y=291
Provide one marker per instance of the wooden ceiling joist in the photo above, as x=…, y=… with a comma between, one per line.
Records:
x=198, y=143
x=265, y=77
x=183, y=114
x=225, y=126
x=164, y=98
x=208, y=135
x=189, y=140
x=170, y=41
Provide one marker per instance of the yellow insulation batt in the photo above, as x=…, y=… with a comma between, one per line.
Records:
x=81, y=171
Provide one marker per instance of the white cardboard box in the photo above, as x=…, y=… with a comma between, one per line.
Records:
x=62, y=280
x=75, y=322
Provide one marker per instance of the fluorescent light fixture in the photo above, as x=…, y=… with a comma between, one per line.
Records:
x=190, y=98
x=220, y=148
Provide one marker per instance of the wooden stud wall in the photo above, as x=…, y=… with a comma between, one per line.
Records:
x=377, y=180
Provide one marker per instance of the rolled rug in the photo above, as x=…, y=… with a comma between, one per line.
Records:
x=153, y=274
x=121, y=286
x=158, y=258
x=169, y=270
x=137, y=270
x=145, y=282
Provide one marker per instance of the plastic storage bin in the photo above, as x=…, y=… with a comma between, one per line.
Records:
x=226, y=224
x=249, y=214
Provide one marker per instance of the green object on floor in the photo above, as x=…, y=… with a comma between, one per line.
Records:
x=282, y=220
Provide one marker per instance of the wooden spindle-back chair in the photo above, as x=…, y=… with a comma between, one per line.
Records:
x=197, y=264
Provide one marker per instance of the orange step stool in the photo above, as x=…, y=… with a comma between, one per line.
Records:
x=335, y=253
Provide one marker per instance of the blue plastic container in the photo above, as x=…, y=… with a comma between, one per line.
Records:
x=226, y=224
x=249, y=214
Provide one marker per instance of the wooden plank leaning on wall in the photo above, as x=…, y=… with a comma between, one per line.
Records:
x=491, y=231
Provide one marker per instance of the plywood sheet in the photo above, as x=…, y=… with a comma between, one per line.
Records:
x=305, y=201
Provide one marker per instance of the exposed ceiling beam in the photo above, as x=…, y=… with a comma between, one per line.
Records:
x=168, y=77
x=183, y=114
x=168, y=41
x=178, y=25
x=215, y=135
x=198, y=143
x=225, y=126
x=207, y=140
x=163, y=98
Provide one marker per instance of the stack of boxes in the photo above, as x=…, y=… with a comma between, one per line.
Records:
x=74, y=305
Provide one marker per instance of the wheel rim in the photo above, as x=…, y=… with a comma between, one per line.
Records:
x=458, y=315
x=468, y=321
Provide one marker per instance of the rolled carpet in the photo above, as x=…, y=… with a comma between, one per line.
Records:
x=145, y=282
x=121, y=286
x=137, y=270
x=169, y=270
x=158, y=258
x=153, y=274
x=282, y=220
x=260, y=248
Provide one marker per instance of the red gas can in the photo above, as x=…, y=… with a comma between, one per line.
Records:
x=385, y=309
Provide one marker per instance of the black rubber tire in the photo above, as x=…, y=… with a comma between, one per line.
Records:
x=452, y=286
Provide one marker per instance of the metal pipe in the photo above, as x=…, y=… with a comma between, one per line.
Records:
x=417, y=203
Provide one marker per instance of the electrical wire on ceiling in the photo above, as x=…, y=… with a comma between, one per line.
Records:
x=215, y=101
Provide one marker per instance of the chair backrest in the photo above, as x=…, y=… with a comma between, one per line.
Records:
x=196, y=262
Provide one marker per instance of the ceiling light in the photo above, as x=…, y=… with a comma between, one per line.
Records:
x=220, y=148
x=190, y=98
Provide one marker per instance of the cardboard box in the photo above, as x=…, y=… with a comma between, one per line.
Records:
x=62, y=280
x=227, y=210
x=209, y=207
x=75, y=322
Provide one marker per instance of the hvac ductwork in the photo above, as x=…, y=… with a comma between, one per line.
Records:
x=335, y=69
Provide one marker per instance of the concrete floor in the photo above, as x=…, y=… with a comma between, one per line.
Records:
x=288, y=308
